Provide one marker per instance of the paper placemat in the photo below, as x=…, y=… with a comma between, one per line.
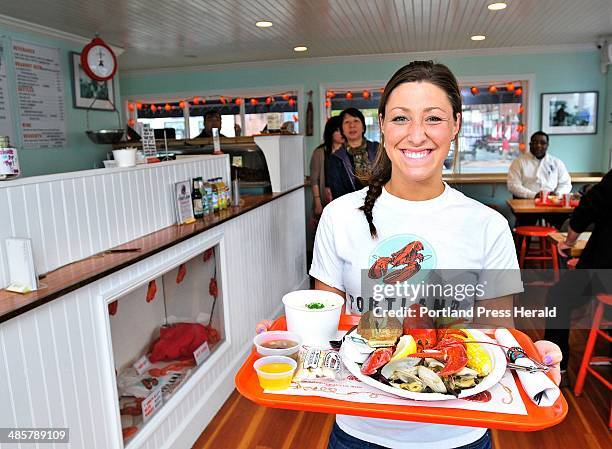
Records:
x=504, y=397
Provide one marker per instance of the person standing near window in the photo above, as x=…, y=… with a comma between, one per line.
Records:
x=332, y=141
x=350, y=166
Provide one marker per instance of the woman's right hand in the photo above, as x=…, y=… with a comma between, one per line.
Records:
x=262, y=326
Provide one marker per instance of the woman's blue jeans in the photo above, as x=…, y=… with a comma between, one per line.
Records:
x=339, y=439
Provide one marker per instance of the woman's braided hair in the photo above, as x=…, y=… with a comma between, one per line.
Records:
x=437, y=74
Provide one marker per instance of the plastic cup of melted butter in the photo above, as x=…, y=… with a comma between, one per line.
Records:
x=275, y=372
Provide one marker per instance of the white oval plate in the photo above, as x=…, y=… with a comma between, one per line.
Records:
x=496, y=353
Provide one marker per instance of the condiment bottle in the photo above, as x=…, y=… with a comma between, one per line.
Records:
x=196, y=198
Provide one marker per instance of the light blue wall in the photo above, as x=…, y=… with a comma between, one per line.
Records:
x=554, y=72
x=80, y=153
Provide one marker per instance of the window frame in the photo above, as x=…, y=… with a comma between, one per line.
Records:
x=529, y=93
x=173, y=97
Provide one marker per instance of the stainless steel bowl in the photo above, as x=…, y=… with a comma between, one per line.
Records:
x=106, y=136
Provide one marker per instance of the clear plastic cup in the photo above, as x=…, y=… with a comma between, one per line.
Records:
x=275, y=337
x=275, y=372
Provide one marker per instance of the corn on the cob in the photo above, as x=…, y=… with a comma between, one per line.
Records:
x=478, y=357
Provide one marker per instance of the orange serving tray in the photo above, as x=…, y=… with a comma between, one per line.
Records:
x=537, y=418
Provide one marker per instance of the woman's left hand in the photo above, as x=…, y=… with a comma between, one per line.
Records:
x=551, y=355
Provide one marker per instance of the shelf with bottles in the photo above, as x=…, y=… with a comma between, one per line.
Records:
x=162, y=332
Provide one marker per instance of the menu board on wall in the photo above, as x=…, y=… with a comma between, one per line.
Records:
x=6, y=123
x=40, y=95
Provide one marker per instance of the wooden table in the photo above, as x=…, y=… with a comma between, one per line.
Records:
x=527, y=206
x=576, y=250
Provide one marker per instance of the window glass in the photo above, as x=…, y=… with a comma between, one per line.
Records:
x=493, y=130
x=163, y=115
x=365, y=100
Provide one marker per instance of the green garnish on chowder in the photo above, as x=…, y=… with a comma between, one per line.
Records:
x=315, y=305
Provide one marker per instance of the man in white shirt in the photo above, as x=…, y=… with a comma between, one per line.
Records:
x=535, y=172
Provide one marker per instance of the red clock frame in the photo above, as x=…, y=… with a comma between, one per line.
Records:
x=94, y=42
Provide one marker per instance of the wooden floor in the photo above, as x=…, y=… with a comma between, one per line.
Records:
x=243, y=424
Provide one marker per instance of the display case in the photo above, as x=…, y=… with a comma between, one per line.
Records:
x=164, y=328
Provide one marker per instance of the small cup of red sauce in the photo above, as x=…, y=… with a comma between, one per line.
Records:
x=278, y=343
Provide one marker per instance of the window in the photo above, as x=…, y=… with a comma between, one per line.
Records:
x=493, y=130
x=246, y=115
x=366, y=100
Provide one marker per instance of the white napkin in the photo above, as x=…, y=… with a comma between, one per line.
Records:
x=536, y=384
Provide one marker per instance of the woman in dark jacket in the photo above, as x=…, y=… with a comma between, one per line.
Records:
x=348, y=167
x=577, y=287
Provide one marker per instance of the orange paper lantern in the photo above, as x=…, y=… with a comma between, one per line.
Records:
x=510, y=87
x=131, y=122
x=181, y=104
x=522, y=146
x=349, y=95
x=327, y=103
x=365, y=94
x=518, y=92
x=196, y=100
x=153, y=108
x=474, y=90
x=131, y=107
x=493, y=89
x=238, y=101
x=521, y=109
x=295, y=118
x=167, y=107
x=139, y=106
x=291, y=102
x=254, y=101
x=222, y=100
x=285, y=97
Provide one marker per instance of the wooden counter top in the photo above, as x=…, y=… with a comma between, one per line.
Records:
x=75, y=275
x=500, y=178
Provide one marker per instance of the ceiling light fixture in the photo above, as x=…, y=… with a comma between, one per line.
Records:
x=497, y=6
x=263, y=24
x=478, y=37
x=300, y=48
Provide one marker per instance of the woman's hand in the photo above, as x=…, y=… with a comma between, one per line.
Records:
x=551, y=356
x=263, y=326
x=562, y=247
x=318, y=208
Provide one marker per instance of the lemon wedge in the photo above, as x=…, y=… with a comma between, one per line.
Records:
x=405, y=347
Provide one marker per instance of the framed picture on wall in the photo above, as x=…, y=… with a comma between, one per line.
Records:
x=85, y=90
x=569, y=113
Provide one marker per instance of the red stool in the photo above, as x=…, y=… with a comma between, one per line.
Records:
x=546, y=250
x=604, y=300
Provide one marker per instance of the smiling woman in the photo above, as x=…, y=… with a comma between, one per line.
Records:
x=407, y=208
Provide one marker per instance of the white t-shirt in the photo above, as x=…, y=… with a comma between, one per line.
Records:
x=456, y=233
x=529, y=175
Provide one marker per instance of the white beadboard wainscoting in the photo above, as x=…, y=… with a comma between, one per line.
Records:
x=56, y=361
x=285, y=159
x=71, y=216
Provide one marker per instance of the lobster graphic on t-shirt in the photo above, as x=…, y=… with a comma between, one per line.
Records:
x=408, y=258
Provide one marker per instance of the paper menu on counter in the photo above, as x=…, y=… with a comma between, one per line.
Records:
x=22, y=273
x=184, y=206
